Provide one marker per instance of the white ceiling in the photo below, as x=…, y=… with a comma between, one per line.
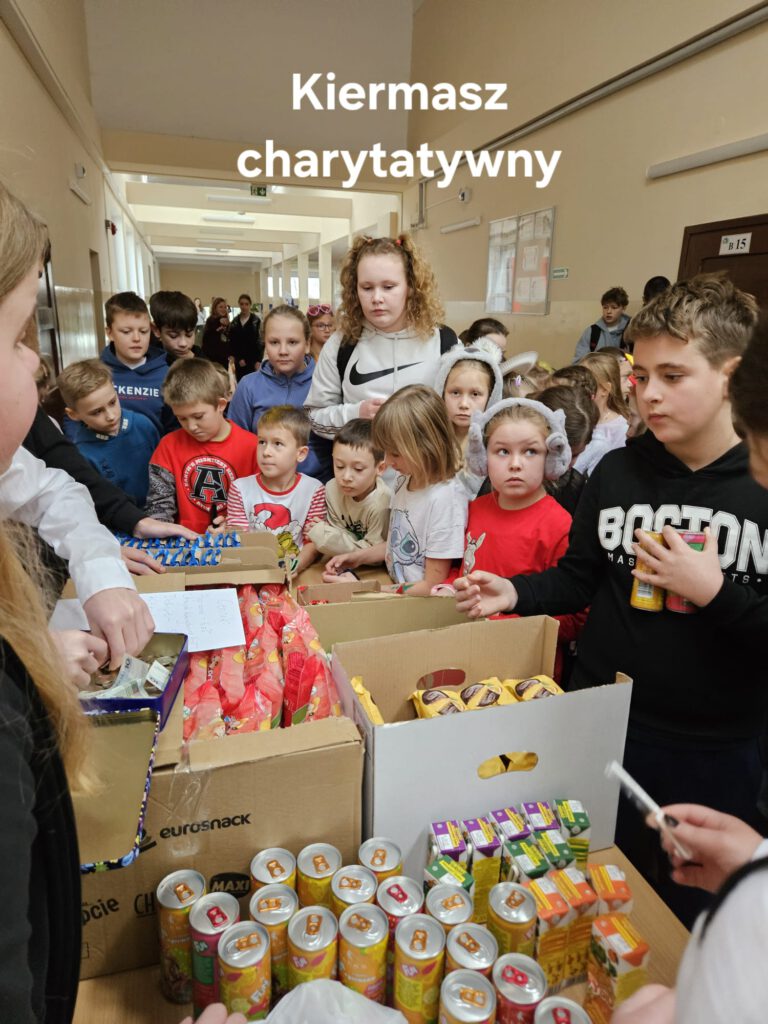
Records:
x=223, y=70
x=189, y=68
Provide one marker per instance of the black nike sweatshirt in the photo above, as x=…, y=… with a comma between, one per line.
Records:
x=701, y=677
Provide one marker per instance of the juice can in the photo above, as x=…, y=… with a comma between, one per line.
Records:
x=645, y=596
x=273, y=907
x=316, y=865
x=176, y=895
x=520, y=987
x=512, y=918
x=351, y=885
x=419, y=955
x=398, y=897
x=382, y=857
x=467, y=997
x=470, y=947
x=674, y=602
x=208, y=919
x=449, y=905
x=273, y=866
x=312, y=945
x=244, y=970
x=556, y=1010
x=363, y=938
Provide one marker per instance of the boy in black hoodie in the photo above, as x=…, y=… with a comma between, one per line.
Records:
x=700, y=696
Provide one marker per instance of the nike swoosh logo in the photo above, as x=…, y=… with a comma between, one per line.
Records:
x=364, y=378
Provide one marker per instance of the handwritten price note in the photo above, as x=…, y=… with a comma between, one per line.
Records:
x=210, y=618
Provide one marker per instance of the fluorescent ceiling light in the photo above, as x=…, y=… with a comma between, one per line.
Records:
x=238, y=197
x=231, y=218
x=217, y=251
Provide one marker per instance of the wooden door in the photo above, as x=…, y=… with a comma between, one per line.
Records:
x=745, y=259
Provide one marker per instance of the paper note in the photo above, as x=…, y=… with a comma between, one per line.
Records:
x=210, y=618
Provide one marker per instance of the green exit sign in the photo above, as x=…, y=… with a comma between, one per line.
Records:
x=259, y=190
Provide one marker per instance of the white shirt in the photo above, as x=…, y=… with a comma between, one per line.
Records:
x=723, y=979
x=429, y=523
x=62, y=512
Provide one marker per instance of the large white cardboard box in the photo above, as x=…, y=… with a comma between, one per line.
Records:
x=419, y=771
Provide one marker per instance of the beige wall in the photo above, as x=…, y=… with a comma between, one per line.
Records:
x=37, y=161
x=205, y=282
x=612, y=225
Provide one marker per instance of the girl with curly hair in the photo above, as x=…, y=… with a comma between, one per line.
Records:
x=389, y=333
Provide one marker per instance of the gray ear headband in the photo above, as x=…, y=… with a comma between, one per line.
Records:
x=558, y=450
x=457, y=354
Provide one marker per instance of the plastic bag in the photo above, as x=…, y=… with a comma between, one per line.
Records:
x=330, y=1002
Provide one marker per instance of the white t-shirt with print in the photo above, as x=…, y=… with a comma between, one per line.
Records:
x=429, y=523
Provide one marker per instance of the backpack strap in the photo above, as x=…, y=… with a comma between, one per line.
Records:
x=447, y=339
x=343, y=355
x=594, y=337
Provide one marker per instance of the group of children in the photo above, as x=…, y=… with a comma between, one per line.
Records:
x=250, y=460
x=472, y=479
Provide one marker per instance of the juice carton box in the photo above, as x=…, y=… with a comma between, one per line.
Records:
x=539, y=816
x=582, y=900
x=553, y=924
x=617, y=965
x=446, y=840
x=445, y=871
x=509, y=824
x=576, y=827
x=613, y=892
x=555, y=848
x=522, y=861
x=484, y=861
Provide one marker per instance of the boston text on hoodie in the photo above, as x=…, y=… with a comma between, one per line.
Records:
x=696, y=677
x=141, y=387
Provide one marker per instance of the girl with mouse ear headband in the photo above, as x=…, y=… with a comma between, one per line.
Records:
x=558, y=451
x=518, y=527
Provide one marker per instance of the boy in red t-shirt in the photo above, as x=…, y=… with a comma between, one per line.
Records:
x=192, y=469
x=519, y=443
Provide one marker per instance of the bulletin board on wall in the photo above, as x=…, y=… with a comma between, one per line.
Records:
x=519, y=256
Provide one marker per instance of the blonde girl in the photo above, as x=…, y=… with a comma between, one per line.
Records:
x=518, y=528
x=613, y=422
x=388, y=333
x=468, y=379
x=429, y=503
x=42, y=728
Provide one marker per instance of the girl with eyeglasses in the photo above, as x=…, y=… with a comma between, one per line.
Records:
x=321, y=326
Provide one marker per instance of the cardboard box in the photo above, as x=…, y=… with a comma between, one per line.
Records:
x=363, y=620
x=335, y=593
x=233, y=797
x=418, y=771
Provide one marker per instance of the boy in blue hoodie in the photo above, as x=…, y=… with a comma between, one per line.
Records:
x=117, y=442
x=283, y=379
x=138, y=368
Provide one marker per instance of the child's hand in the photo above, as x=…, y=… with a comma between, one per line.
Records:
x=218, y=525
x=480, y=594
x=337, y=564
x=81, y=654
x=695, y=575
x=719, y=844
x=370, y=407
